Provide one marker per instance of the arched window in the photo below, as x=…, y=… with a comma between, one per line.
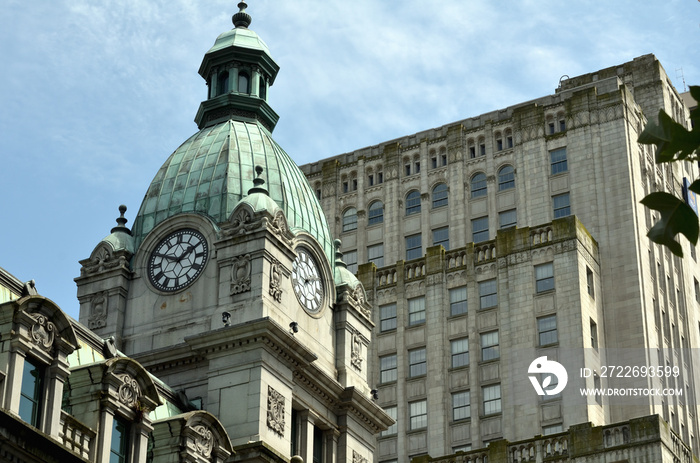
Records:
x=440, y=195
x=222, y=83
x=350, y=219
x=413, y=203
x=243, y=82
x=478, y=185
x=506, y=178
x=376, y=213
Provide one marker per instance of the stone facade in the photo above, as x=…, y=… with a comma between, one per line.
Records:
x=462, y=186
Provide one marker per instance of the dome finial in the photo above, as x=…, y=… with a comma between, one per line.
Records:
x=121, y=222
x=258, y=182
x=242, y=19
x=338, y=254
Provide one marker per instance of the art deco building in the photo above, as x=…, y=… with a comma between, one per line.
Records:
x=495, y=240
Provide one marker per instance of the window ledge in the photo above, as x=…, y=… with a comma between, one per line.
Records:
x=461, y=368
x=487, y=362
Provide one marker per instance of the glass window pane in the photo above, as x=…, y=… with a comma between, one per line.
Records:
x=478, y=185
x=461, y=409
x=507, y=219
x=480, y=229
x=414, y=247
x=489, y=346
x=506, y=178
x=416, y=311
x=488, y=297
x=561, y=205
x=350, y=259
x=376, y=213
x=387, y=368
x=350, y=219
x=413, y=203
x=417, y=362
x=441, y=236
x=440, y=195
x=558, y=160
x=458, y=300
x=120, y=442
x=387, y=315
x=375, y=254
x=31, y=393
x=460, y=352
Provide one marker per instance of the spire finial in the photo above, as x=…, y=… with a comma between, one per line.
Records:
x=121, y=221
x=338, y=254
x=258, y=182
x=242, y=19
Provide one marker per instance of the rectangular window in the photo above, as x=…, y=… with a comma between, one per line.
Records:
x=460, y=352
x=345, y=187
x=318, y=194
x=375, y=254
x=434, y=162
x=507, y=219
x=594, y=334
x=387, y=317
x=443, y=160
x=418, y=414
x=318, y=445
x=480, y=229
x=354, y=184
x=31, y=393
x=118, y=451
x=551, y=128
x=387, y=368
x=414, y=247
x=562, y=125
x=482, y=150
x=499, y=144
x=380, y=177
x=350, y=259
x=416, y=311
x=488, y=295
x=391, y=430
x=509, y=141
x=472, y=152
x=416, y=168
x=590, y=283
x=458, y=300
x=558, y=161
x=461, y=409
x=553, y=429
x=547, y=330
x=489, y=346
x=417, y=362
x=562, y=207
x=407, y=167
x=492, y=399
x=442, y=236
x=371, y=179
x=544, y=277
x=697, y=290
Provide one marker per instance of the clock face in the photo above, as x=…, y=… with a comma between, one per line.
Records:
x=306, y=280
x=177, y=260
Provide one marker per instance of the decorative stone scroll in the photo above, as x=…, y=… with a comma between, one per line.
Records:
x=204, y=441
x=275, y=411
x=43, y=331
x=98, y=311
x=129, y=391
x=357, y=458
x=356, y=352
x=240, y=274
x=276, y=281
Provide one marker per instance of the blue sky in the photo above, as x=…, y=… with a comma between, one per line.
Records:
x=94, y=96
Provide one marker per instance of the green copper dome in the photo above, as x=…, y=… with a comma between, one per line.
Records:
x=213, y=170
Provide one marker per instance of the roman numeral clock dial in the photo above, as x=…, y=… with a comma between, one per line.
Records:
x=306, y=281
x=177, y=260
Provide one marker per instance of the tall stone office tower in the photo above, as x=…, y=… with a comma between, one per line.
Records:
x=492, y=241
x=229, y=287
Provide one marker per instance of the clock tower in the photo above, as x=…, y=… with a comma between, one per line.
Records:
x=229, y=286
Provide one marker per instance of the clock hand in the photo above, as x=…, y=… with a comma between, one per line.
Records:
x=186, y=253
x=166, y=256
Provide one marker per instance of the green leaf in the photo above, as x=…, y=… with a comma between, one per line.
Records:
x=673, y=141
x=676, y=217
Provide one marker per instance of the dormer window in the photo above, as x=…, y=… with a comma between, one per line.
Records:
x=119, y=448
x=222, y=83
x=243, y=82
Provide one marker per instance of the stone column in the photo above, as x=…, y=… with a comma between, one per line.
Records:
x=14, y=380
x=57, y=375
x=104, y=434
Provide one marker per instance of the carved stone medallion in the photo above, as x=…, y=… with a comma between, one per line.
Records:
x=204, y=441
x=98, y=311
x=129, y=390
x=275, y=411
x=43, y=332
x=240, y=274
x=276, y=281
x=356, y=353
